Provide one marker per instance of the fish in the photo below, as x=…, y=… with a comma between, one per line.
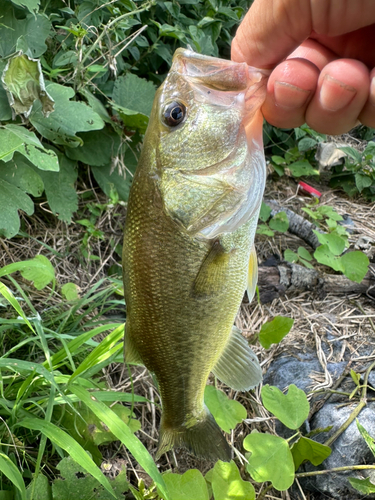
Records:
x=188, y=252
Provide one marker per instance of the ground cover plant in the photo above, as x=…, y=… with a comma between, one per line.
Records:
x=77, y=84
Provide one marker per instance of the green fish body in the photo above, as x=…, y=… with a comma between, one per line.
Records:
x=188, y=244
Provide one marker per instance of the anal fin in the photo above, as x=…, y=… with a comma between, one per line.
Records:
x=131, y=354
x=252, y=275
x=238, y=366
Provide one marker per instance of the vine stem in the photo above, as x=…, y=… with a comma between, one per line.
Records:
x=356, y=410
x=336, y=469
x=106, y=28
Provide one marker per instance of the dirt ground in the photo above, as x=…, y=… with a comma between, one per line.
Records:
x=350, y=317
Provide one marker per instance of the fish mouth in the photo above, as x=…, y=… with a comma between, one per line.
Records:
x=218, y=74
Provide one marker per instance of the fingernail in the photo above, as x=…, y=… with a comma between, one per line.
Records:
x=335, y=95
x=290, y=96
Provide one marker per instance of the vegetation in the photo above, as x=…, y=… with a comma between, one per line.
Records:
x=77, y=85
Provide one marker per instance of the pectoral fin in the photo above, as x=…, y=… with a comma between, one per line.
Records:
x=252, y=276
x=211, y=275
x=131, y=354
x=238, y=367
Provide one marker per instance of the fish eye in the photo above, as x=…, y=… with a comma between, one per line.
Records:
x=174, y=114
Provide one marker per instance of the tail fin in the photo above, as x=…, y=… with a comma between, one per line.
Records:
x=203, y=439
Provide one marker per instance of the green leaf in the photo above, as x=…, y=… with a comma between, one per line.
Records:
x=17, y=138
x=122, y=432
x=265, y=212
x=274, y=331
x=68, y=118
x=60, y=438
x=21, y=174
x=8, y=295
x=306, y=263
x=186, y=486
x=324, y=256
x=362, y=181
x=75, y=484
x=352, y=153
x=27, y=34
x=227, y=412
x=99, y=147
x=335, y=243
x=134, y=93
x=305, y=254
x=364, y=486
x=227, y=483
x=270, y=460
x=355, y=265
x=279, y=222
x=23, y=80
x=60, y=191
x=132, y=120
x=370, y=441
x=40, y=487
x=290, y=256
x=329, y=212
x=9, y=470
x=39, y=270
x=292, y=409
x=356, y=377
x=307, y=449
x=302, y=167
x=108, y=177
x=306, y=143
x=70, y=291
x=264, y=229
x=12, y=199
x=370, y=149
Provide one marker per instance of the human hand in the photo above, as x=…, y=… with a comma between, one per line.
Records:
x=328, y=77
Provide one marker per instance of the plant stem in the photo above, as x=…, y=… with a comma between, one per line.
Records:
x=356, y=411
x=263, y=493
x=336, y=469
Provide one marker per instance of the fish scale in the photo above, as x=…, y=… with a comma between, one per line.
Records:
x=183, y=289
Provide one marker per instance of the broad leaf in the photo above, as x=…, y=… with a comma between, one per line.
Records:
x=290, y=256
x=264, y=229
x=40, y=488
x=31, y=5
x=274, y=331
x=60, y=191
x=370, y=441
x=68, y=118
x=75, y=483
x=279, y=222
x=265, y=212
x=15, y=138
x=364, y=486
x=362, y=181
x=21, y=174
x=355, y=265
x=227, y=412
x=335, y=243
x=324, y=256
x=134, y=93
x=109, y=177
x=227, y=483
x=292, y=409
x=27, y=34
x=12, y=199
x=39, y=270
x=70, y=291
x=305, y=254
x=99, y=147
x=270, y=460
x=302, y=167
x=307, y=449
x=10, y=471
x=23, y=80
x=188, y=486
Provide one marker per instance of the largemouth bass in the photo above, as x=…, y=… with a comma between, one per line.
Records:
x=189, y=242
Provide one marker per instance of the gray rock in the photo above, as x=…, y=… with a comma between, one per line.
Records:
x=348, y=450
x=296, y=370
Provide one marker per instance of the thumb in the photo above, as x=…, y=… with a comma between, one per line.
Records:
x=270, y=31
